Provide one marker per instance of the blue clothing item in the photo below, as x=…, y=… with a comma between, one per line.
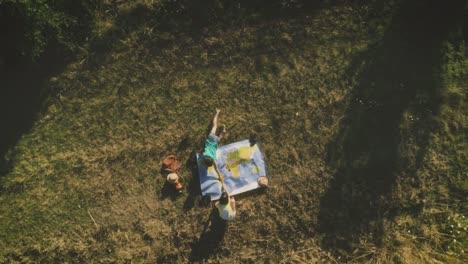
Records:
x=211, y=145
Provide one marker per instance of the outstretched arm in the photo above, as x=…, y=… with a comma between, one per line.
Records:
x=215, y=122
x=233, y=203
x=220, y=178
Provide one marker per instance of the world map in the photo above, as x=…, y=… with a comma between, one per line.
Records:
x=240, y=163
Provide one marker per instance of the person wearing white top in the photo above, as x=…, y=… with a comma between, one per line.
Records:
x=226, y=206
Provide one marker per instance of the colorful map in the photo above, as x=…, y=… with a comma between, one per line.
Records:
x=240, y=163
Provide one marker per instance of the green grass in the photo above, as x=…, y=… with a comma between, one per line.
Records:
x=85, y=183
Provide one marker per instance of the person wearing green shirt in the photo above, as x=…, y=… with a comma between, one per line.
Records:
x=211, y=143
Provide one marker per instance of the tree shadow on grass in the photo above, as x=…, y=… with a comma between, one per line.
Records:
x=21, y=100
x=168, y=23
x=211, y=238
x=23, y=87
x=366, y=157
x=21, y=97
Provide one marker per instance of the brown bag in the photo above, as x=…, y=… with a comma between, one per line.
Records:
x=170, y=163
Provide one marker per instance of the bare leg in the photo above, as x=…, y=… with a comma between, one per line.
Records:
x=215, y=122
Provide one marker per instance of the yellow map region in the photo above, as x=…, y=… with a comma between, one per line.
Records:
x=239, y=156
x=210, y=170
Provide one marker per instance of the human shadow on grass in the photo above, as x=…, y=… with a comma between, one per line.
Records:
x=400, y=74
x=210, y=239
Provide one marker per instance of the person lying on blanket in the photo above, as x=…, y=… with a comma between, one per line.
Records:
x=211, y=144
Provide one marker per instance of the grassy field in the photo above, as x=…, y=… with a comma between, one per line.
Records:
x=359, y=109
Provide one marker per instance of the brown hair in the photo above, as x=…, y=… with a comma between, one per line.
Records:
x=208, y=161
x=224, y=198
